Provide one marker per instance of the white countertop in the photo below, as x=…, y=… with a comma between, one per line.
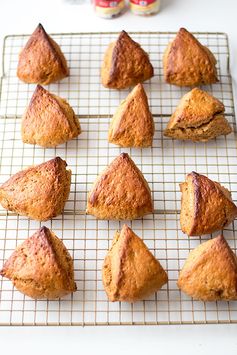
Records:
x=58, y=16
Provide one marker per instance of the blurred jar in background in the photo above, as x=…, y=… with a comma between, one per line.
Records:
x=109, y=8
x=144, y=7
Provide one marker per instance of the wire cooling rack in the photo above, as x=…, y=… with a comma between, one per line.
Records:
x=164, y=166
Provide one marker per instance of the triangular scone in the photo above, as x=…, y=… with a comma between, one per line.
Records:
x=210, y=272
x=132, y=124
x=120, y=192
x=206, y=206
x=130, y=272
x=198, y=117
x=39, y=192
x=41, y=61
x=49, y=120
x=125, y=64
x=187, y=62
x=41, y=267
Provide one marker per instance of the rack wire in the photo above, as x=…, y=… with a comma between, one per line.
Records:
x=164, y=166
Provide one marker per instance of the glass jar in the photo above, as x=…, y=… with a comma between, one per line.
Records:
x=144, y=7
x=109, y=9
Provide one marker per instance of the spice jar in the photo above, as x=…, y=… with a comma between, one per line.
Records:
x=144, y=7
x=109, y=9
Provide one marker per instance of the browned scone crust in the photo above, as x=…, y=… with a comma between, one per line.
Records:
x=39, y=192
x=41, y=267
x=120, y=192
x=188, y=63
x=48, y=120
x=41, y=61
x=198, y=117
x=210, y=272
x=125, y=64
x=206, y=206
x=130, y=272
x=132, y=124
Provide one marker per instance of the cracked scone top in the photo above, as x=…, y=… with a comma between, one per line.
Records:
x=210, y=272
x=132, y=124
x=39, y=192
x=48, y=120
x=199, y=116
x=120, y=192
x=125, y=64
x=187, y=62
x=130, y=272
x=41, y=267
x=41, y=61
x=206, y=206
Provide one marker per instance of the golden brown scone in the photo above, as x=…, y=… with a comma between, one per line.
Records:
x=130, y=272
x=125, y=64
x=132, y=124
x=198, y=117
x=48, y=120
x=120, y=192
x=210, y=272
x=41, y=61
x=41, y=267
x=187, y=62
x=206, y=206
x=39, y=192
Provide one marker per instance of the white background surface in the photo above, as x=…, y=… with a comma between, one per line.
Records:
x=22, y=16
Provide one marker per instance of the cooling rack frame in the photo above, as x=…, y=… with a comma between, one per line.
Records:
x=164, y=166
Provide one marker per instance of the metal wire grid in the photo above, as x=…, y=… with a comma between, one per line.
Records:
x=164, y=166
